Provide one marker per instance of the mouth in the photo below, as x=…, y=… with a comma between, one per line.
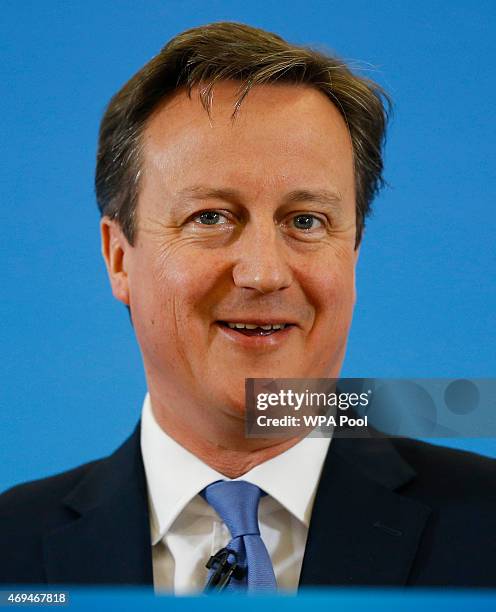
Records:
x=259, y=328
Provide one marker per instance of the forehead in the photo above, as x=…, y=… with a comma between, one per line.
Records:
x=279, y=129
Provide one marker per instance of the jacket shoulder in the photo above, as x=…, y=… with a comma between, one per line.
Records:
x=449, y=472
x=30, y=497
x=26, y=511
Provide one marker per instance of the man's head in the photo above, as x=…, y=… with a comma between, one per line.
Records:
x=214, y=220
x=204, y=56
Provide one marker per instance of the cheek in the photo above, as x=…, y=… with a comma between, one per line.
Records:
x=169, y=305
x=330, y=285
x=178, y=285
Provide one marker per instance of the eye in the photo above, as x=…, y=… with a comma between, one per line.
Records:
x=211, y=217
x=307, y=222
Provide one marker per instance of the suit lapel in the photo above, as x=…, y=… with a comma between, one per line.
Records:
x=361, y=531
x=105, y=537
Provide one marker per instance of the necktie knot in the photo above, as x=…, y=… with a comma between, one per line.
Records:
x=236, y=502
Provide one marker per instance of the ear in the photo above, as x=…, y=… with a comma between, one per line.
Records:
x=114, y=247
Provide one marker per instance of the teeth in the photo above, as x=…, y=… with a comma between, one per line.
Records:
x=251, y=326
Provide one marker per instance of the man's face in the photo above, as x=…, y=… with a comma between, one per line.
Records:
x=250, y=221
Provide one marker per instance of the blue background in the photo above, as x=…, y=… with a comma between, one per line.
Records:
x=316, y=600
x=71, y=378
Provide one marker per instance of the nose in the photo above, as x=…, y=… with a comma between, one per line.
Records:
x=261, y=261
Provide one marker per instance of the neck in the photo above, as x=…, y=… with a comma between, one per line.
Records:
x=222, y=445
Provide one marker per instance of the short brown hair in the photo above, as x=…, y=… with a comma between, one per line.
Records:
x=222, y=51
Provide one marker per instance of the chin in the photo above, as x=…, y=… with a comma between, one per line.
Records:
x=232, y=400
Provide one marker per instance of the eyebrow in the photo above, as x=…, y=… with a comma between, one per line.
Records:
x=328, y=198
x=201, y=192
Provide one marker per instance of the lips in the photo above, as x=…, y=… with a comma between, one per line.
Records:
x=262, y=328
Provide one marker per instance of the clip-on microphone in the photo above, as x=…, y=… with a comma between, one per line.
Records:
x=223, y=569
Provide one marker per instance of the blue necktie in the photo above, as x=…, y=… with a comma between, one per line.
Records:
x=236, y=502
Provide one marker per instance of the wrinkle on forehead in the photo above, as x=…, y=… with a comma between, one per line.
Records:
x=286, y=138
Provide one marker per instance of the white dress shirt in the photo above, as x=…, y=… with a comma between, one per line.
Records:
x=186, y=530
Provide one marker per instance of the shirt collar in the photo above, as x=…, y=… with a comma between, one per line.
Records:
x=175, y=476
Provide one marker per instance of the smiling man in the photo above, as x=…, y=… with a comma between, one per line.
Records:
x=244, y=258
x=234, y=175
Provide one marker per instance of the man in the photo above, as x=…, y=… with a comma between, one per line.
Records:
x=235, y=172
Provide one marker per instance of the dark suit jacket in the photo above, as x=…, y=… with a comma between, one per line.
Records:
x=387, y=512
